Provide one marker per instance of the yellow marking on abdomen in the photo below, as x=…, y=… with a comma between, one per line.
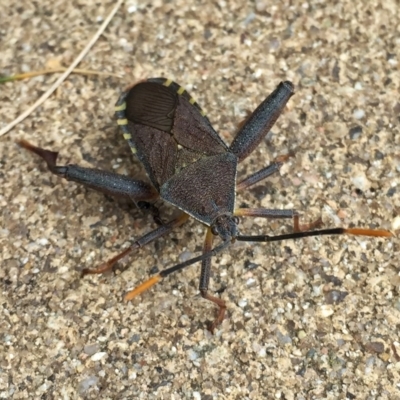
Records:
x=127, y=136
x=120, y=107
x=122, y=121
x=181, y=90
x=167, y=82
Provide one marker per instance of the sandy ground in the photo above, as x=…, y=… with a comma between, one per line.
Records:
x=313, y=319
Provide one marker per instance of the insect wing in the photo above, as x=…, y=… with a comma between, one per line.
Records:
x=191, y=128
x=151, y=104
x=194, y=132
x=166, y=128
x=146, y=114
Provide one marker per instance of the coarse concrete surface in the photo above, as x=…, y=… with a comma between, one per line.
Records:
x=317, y=318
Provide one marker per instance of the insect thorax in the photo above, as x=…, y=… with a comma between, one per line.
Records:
x=205, y=189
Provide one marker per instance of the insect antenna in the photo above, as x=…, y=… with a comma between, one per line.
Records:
x=322, y=232
x=154, y=279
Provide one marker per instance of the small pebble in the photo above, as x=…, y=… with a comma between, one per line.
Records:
x=98, y=356
x=358, y=114
x=325, y=311
x=242, y=303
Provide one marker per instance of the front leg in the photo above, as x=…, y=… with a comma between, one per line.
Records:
x=278, y=214
x=205, y=281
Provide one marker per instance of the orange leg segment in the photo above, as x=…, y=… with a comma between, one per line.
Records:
x=205, y=280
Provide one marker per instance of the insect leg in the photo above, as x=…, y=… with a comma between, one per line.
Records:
x=151, y=209
x=300, y=231
x=261, y=121
x=277, y=214
x=205, y=280
x=262, y=173
x=143, y=241
x=103, y=181
x=205, y=258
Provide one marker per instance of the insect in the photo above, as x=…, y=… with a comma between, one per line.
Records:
x=190, y=167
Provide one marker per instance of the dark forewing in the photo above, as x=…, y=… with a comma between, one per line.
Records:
x=194, y=132
x=205, y=189
x=151, y=104
x=192, y=129
x=166, y=128
x=156, y=150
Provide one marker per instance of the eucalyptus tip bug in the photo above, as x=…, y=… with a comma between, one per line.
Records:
x=190, y=167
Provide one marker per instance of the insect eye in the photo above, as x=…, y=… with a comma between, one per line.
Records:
x=214, y=230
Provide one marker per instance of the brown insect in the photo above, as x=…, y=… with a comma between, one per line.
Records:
x=190, y=167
